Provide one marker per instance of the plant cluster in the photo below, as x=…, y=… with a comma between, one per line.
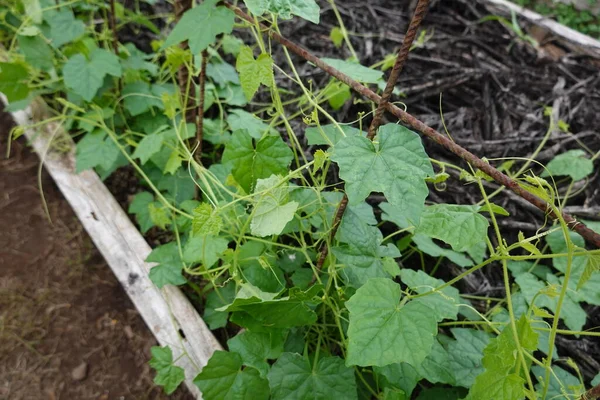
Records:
x=323, y=305
x=567, y=14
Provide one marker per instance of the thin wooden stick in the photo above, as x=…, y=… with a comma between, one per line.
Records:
x=183, y=75
x=200, y=109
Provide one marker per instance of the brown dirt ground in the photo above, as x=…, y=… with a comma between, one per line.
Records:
x=60, y=304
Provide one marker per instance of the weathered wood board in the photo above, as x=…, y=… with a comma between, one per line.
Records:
x=167, y=312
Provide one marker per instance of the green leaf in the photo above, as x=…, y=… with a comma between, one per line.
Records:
x=384, y=330
x=573, y=163
x=592, y=265
x=296, y=309
x=272, y=210
x=201, y=25
x=148, y=146
x=401, y=376
x=168, y=375
x=96, y=149
x=252, y=160
x=500, y=358
x=256, y=348
x=159, y=215
x=13, y=81
x=139, y=207
x=466, y=353
x=139, y=98
x=437, y=367
x=206, y=221
x=253, y=72
x=444, y=303
x=137, y=60
x=330, y=134
x=231, y=45
x=180, y=185
x=223, y=379
x=204, y=249
x=337, y=36
x=106, y=61
x=355, y=70
x=256, y=260
x=85, y=77
x=222, y=73
x=459, y=226
x=218, y=297
x=33, y=10
x=363, y=253
x=37, y=52
x=295, y=377
x=429, y=247
x=307, y=9
x=64, y=28
x=169, y=268
x=240, y=119
x=563, y=385
x=596, y=380
x=336, y=93
x=572, y=314
x=397, y=166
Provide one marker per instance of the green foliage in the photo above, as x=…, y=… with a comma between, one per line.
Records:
x=253, y=160
x=572, y=163
x=86, y=76
x=168, y=375
x=206, y=221
x=501, y=379
x=273, y=210
x=169, y=268
x=460, y=226
x=385, y=329
x=307, y=9
x=201, y=25
x=37, y=52
x=293, y=377
x=223, y=379
x=12, y=81
x=355, y=70
x=397, y=166
x=253, y=72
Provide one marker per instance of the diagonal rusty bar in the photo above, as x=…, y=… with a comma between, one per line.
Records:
x=589, y=235
x=411, y=33
x=409, y=38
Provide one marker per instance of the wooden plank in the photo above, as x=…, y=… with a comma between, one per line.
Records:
x=167, y=312
x=589, y=45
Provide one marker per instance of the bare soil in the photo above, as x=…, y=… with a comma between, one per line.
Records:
x=67, y=328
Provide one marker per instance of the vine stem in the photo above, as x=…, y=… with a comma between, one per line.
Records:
x=200, y=109
x=419, y=126
x=411, y=33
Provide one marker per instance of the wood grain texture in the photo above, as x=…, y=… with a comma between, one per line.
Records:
x=167, y=312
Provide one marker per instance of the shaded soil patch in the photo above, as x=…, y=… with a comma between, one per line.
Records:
x=67, y=328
